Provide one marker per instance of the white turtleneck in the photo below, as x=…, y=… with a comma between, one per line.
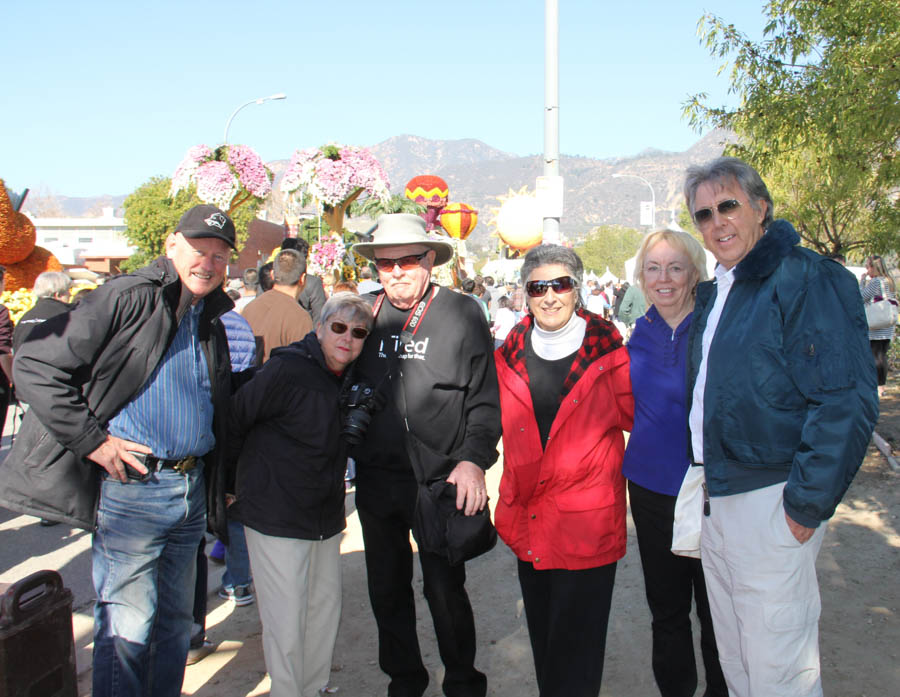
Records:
x=552, y=346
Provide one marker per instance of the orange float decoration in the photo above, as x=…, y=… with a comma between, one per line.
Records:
x=459, y=219
x=430, y=191
x=17, y=236
x=24, y=273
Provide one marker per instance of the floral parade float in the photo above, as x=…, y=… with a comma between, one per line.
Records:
x=24, y=261
x=332, y=177
x=227, y=177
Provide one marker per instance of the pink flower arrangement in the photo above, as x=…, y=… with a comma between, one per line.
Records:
x=222, y=174
x=326, y=256
x=330, y=174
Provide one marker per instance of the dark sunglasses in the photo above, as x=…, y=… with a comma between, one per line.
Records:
x=355, y=332
x=410, y=261
x=727, y=208
x=538, y=289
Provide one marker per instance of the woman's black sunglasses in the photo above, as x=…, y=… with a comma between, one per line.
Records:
x=726, y=208
x=355, y=332
x=538, y=289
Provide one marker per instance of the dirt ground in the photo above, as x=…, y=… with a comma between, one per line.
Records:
x=860, y=627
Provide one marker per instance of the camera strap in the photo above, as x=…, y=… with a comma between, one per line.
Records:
x=415, y=317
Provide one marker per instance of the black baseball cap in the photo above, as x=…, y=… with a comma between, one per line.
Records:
x=207, y=221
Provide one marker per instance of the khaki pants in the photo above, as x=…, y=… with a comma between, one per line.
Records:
x=298, y=587
x=763, y=596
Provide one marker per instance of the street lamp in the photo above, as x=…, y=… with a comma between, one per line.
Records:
x=280, y=95
x=652, y=195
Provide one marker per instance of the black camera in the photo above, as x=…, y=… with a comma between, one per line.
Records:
x=361, y=401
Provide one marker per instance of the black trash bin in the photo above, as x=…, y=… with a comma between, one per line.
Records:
x=37, y=649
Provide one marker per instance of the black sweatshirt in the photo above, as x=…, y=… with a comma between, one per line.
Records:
x=450, y=387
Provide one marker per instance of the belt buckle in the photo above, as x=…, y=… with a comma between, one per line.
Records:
x=186, y=464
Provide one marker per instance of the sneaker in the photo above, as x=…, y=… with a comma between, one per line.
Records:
x=198, y=653
x=239, y=595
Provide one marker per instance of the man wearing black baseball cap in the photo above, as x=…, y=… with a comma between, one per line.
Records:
x=128, y=393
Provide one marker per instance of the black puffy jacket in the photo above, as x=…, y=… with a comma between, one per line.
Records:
x=285, y=441
x=78, y=369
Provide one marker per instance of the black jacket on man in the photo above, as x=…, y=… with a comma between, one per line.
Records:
x=78, y=369
x=43, y=309
x=285, y=440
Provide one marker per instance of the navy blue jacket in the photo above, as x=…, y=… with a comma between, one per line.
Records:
x=790, y=388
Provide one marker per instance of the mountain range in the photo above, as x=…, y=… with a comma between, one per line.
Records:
x=477, y=174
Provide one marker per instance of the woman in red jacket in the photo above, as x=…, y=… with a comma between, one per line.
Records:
x=565, y=398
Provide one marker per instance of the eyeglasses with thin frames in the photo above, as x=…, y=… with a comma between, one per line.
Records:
x=538, y=289
x=727, y=209
x=355, y=332
x=410, y=261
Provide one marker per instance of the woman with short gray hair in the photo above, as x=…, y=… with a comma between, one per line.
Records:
x=565, y=398
x=289, y=458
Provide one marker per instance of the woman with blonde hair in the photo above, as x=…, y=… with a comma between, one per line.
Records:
x=876, y=283
x=668, y=266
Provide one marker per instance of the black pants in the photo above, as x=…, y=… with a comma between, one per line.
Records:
x=879, y=353
x=386, y=505
x=671, y=583
x=567, y=614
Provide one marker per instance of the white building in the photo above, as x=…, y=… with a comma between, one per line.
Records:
x=96, y=243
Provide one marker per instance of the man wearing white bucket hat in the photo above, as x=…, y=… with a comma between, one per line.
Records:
x=430, y=354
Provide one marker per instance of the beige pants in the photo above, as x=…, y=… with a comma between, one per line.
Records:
x=298, y=588
x=763, y=596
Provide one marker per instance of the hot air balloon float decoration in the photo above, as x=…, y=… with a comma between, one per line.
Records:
x=459, y=219
x=432, y=192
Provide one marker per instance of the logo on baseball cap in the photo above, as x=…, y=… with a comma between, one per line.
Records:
x=207, y=221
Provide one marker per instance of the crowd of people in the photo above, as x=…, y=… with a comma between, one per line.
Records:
x=166, y=404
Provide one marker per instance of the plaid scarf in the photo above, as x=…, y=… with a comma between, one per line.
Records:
x=600, y=338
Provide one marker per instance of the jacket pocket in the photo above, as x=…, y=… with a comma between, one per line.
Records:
x=589, y=522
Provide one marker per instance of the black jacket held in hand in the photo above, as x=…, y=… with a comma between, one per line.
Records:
x=78, y=369
x=285, y=440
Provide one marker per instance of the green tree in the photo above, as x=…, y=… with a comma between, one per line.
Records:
x=151, y=214
x=819, y=116
x=609, y=245
x=373, y=207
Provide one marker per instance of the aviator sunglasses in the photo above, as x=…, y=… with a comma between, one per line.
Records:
x=410, y=261
x=355, y=332
x=727, y=209
x=538, y=289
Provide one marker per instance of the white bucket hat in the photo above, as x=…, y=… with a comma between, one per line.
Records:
x=397, y=229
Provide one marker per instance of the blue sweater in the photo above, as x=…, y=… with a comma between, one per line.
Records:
x=656, y=457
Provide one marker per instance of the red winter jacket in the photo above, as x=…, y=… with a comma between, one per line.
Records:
x=564, y=507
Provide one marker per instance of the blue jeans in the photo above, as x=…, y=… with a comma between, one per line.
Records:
x=144, y=564
x=237, y=560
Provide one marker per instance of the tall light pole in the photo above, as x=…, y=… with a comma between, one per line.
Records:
x=280, y=95
x=550, y=186
x=652, y=196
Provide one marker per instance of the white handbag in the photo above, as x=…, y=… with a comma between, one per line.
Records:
x=689, y=514
x=881, y=314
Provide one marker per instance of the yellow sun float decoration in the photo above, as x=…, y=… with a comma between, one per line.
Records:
x=518, y=220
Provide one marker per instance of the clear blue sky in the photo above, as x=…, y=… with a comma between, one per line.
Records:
x=100, y=96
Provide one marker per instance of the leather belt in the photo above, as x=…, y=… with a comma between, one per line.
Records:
x=184, y=465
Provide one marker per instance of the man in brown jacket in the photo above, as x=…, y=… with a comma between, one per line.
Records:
x=275, y=317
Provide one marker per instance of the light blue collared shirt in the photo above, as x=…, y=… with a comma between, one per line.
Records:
x=173, y=412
